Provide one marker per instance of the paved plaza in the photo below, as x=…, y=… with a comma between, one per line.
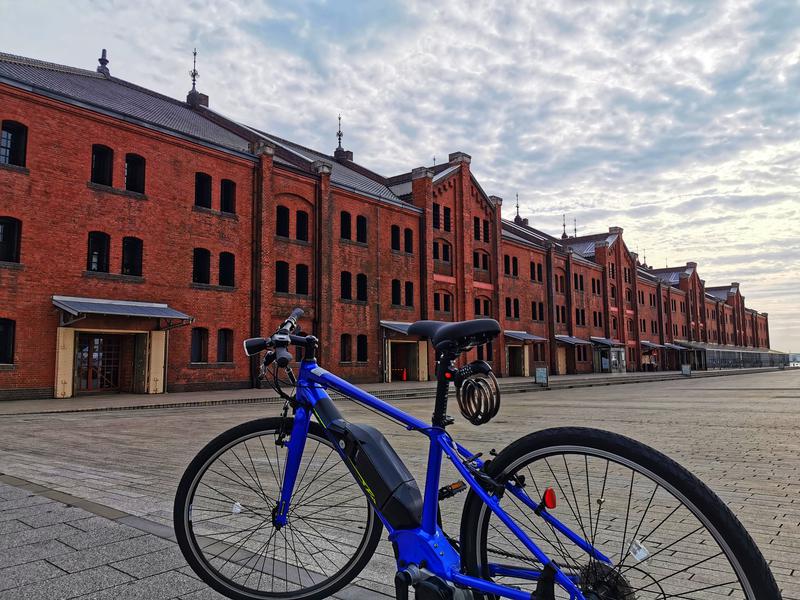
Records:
x=738, y=433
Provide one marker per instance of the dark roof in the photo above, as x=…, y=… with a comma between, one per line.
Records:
x=585, y=244
x=121, y=308
x=117, y=96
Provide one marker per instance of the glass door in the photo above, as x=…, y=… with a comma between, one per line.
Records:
x=97, y=363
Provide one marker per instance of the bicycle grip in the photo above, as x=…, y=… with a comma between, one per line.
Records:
x=255, y=345
x=283, y=356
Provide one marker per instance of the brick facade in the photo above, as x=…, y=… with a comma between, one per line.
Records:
x=456, y=259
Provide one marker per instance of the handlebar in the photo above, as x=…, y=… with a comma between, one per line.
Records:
x=279, y=340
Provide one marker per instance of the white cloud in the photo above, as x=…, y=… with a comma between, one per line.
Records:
x=677, y=121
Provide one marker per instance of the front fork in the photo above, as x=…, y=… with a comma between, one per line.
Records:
x=297, y=443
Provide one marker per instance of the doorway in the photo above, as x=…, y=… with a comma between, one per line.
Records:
x=404, y=361
x=97, y=363
x=516, y=361
x=561, y=360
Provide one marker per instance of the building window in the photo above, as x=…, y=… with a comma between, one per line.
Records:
x=282, y=221
x=508, y=308
x=361, y=287
x=514, y=267
x=516, y=308
x=132, y=256
x=202, y=190
x=225, y=345
x=506, y=264
x=476, y=222
x=282, y=276
x=408, y=240
x=346, y=285
x=395, y=238
x=445, y=252
x=396, y=300
x=227, y=269
x=134, y=173
x=199, y=345
x=10, y=236
x=437, y=301
x=301, y=280
x=409, y=296
x=201, y=266
x=102, y=164
x=346, y=348
x=446, y=218
x=227, y=196
x=486, y=231
x=7, y=329
x=344, y=226
x=361, y=229
x=435, y=250
x=301, y=226
x=13, y=144
x=361, y=348
x=99, y=245
x=436, y=217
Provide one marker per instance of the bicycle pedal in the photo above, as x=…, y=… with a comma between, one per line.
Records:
x=451, y=490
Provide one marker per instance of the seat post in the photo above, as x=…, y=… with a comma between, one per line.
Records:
x=443, y=366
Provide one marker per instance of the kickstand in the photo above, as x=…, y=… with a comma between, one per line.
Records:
x=402, y=580
x=545, y=587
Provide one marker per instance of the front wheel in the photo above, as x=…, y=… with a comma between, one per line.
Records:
x=666, y=533
x=223, y=516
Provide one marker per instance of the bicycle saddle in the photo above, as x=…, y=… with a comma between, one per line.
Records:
x=464, y=334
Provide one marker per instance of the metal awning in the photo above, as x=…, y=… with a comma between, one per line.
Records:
x=117, y=308
x=524, y=336
x=397, y=326
x=651, y=345
x=605, y=341
x=673, y=346
x=572, y=341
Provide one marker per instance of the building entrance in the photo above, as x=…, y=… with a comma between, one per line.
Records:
x=516, y=361
x=97, y=363
x=404, y=361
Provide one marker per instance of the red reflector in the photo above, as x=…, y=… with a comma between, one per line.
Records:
x=550, y=498
x=448, y=375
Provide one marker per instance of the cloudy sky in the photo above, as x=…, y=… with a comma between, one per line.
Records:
x=679, y=121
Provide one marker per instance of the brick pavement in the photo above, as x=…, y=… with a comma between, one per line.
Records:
x=738, y=434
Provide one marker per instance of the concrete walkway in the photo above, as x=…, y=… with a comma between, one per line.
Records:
x=388, y=391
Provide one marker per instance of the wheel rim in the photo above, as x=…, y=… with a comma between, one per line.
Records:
x=228, y=518
x=682, y=554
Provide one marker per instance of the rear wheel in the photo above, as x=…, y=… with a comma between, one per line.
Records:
x=666, y=533
x=224, y=507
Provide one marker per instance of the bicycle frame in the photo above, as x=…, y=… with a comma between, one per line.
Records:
x=426, y=544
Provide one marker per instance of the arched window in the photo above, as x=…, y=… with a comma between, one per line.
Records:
x=408, y=235
x=132, y=256
x=10, y=237
x=344, y=226
x=102, y=165
x=409, y=296
x=7, y=330
x=346, y=285
x=97, y=256
x=282, y=221
x=361, y=229
x=282, y=276
x=346, y=348
x=301, y=280
x=443, y=302
x=199, y=352
x=395, y=237
x=227, y=196
x=227, y=269
x=225, y=345
x=396, y=300
x=202, y=190
x=13, y=143
x=201, y=266
x=301, y=226
x=361, y=287
x=361, y=349
x=134, y=173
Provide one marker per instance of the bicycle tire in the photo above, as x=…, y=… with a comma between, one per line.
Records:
x=746, y=560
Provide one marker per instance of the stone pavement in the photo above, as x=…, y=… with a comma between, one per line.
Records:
x=739, y=434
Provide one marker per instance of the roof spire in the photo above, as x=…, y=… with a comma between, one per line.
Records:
x=340, y=153
x=434, y=160
x=517, y=204
x=193, y=73
x=103, y=60
x=339, y=133
x=575, y=227
x=564, y=227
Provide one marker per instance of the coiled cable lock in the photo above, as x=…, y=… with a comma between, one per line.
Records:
x=477, y=392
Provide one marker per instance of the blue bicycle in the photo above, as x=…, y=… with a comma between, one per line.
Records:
x=294, y=507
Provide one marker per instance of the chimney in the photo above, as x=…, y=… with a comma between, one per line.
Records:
x=457, y=157
x=103, y=68
x=617, y=230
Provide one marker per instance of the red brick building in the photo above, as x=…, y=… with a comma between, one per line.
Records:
x=143, y=238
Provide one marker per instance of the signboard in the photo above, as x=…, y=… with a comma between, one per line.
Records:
x=686, y=370
x=541, y=376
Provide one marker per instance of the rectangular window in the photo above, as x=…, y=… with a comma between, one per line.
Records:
x=282, y=277
x=408, y=240
x=225, y=345
x=202, y=190
x=10, y=235
x=7, y=330
x=361, y=229
x=436, y=217
x=301, y=226
x=99, y=246
x=102, y=165
x=13, y=142
x=506, y=264
x=344, y=226
x=486, y=231
x=199, y=353
x=134, y=173
x=361, y=349
x=132, y=256
x=227, y=196
x=201, y=266
x=437, y=302
x=477, y=228
x=409, y=295
x=446, y=218
x=447, y=303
